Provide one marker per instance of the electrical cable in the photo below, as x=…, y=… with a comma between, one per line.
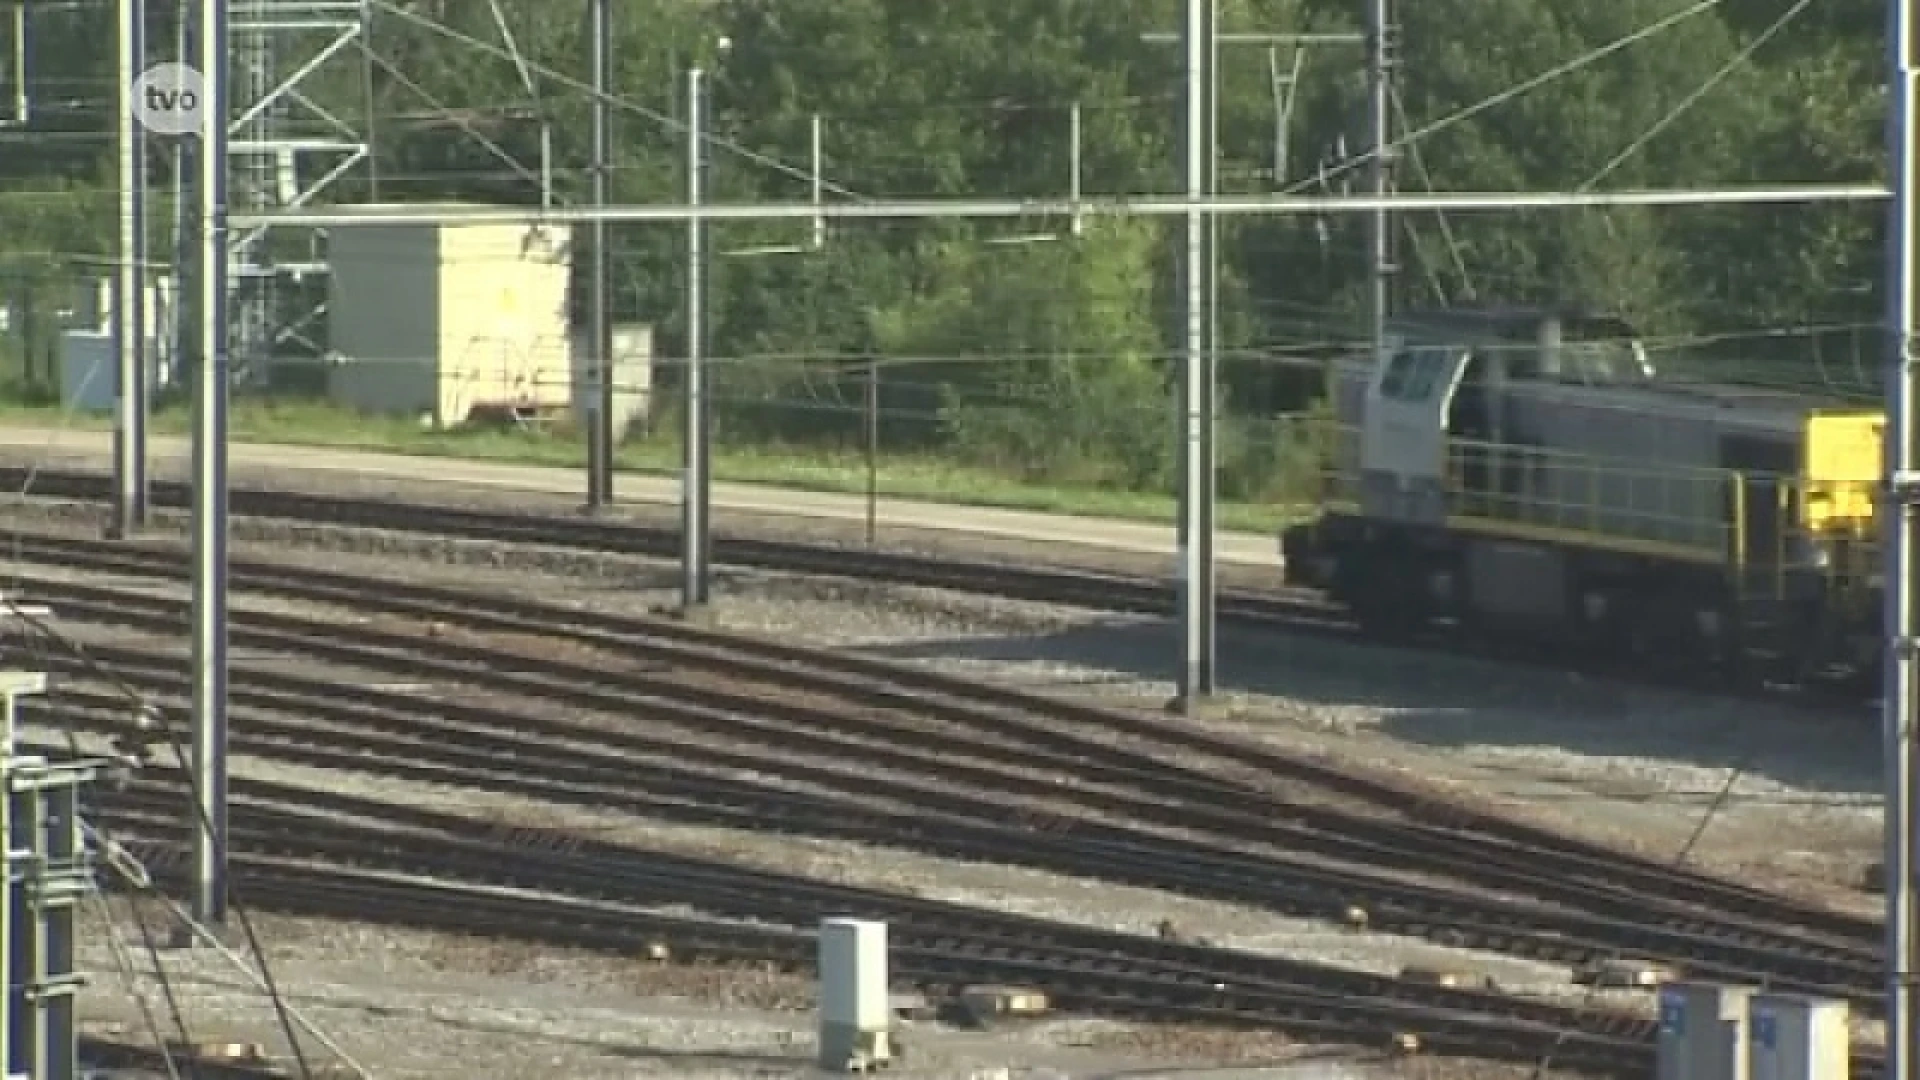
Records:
x=207, y=936
x=1426, y=178
x=1519, y=89
x=130, y=979
x=1707, y=818
x=467, y=127
x=1723, y=797
x=183, y=761
x=36, y=644
x=615, y=101
x=1725, y=71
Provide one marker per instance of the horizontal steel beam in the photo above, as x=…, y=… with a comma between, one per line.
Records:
x=1162, y=37
x=1124, y=206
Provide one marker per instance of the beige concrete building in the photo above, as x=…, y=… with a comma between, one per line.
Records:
x=441, y=321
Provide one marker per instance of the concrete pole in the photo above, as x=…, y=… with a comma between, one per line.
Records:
x=695, y=496
x=601, y=444
x=1197, y=375
x=22, y=76
x=130, y=293
x=210, y=483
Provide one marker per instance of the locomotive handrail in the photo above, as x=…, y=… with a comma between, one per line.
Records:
x=1683, y=509
x=1701, y=514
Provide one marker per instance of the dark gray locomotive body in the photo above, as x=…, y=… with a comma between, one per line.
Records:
x=1529, y=471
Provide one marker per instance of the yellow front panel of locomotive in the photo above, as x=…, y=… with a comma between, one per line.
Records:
x=1843, y=464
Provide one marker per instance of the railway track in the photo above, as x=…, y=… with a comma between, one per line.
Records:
x=960, y=828
x=1292, y=610
x=1061, y=585
x=1220, y=839
x=1028, y=728
x=100, y=1053
x=758, y=915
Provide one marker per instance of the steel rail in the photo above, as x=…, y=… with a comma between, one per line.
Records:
x=1327, y=831
x=1820, y=975
x=1062, y=842
x=391, y=837
x=1459, y=829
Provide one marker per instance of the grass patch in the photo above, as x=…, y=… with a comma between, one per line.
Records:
x=808, y=468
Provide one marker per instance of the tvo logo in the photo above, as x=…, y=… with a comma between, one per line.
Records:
x=170, y=99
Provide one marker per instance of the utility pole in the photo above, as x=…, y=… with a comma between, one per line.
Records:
x=1197, y=373
x=601, y=436
x=21, y=75
x=1901, y=526
x=130, y=291
x=1382, y=45
x=696, y=479
x=210, y=485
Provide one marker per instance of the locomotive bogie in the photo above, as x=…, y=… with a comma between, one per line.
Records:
x=1593, y=602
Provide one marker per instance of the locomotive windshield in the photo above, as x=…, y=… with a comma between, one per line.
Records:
x=1542, y=344
x=1606, y=362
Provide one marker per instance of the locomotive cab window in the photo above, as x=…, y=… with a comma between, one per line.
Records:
x=1414, y=374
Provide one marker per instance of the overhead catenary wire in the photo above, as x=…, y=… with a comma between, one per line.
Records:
x=678, y=125
x=260, y=979
x=616, y=101
x=1520, y=89
x=1725, y=71
x=43, y=633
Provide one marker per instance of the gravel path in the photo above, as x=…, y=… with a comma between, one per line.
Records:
x=422, y=1006
x=417, y=1006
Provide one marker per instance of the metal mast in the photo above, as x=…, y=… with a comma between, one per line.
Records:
x=288, y=148
x=1197, y=374
x=210, y=485
x=256, y=179
x=601, y=438
x=1901, y=527
x=130, y=292
x=696, y=482
x=1381, y=61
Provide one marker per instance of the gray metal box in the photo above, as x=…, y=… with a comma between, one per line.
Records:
x=1798, y=1038
x=1703, y=1032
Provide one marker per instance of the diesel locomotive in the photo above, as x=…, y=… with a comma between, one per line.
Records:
x=1527, y=471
